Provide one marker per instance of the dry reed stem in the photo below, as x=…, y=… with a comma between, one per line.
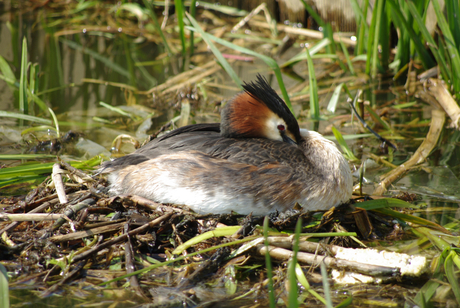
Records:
x=305, y=32
x=187, y=75
x=439, y=90
x=29, y=217
x=282, y=254
x=58, y=183
x=437, y=124
x=86, y=233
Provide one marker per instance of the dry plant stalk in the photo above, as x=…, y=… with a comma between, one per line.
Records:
x=305, y=32
x=178, y=80
x=58, y=183
x=29, y=217
x=437, y=123
x=439, y=90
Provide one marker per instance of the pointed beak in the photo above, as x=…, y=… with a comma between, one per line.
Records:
x=287, y=139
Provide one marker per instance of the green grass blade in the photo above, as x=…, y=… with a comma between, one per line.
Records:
x=55, y=120
x=331, y=107
x=207, y=38
x=452, y=11
x=25, y=156
x=192, y=38
x=180, y=20
x=293, y=292
x=411, y=218
x=384, y=38
x=4, y=290
x=304, y=282
x=157, y=26
x=314, y=100
x=7, y=114
x=384, y=203
x=363, y=30
x=408, y=33
x=28, y=171
x=218, y=232
x=110, y=64
x=268, y=266
x=302, y=56
x=33, y=78
x=313, y=14
x=451, y=46
x=7, y=73
x=347, y=57
x=41, y=104
x=431, y=43
x=23, y=105
x=374, y=59
x=326, y=287
x=347, y=152
x=377, y=118
x=451, y=273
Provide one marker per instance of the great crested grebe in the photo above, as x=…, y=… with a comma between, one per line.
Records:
x=257, y=160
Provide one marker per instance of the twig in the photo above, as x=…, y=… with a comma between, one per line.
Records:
x=245, y=20
x=437, y=123
x=71, y=211
x=352, y=104
x=129, y=260
x=122, y=238
x=86, y=233
x=35, y=210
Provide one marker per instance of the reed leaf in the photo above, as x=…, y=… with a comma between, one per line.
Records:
x=407, y=34
x=180, y=20
x=450, y=45
x=157, y=26
x=268, y=266
x=4, y=290
x=218, y=232
x=334, y=98
x=304, y=282
x=19, y=116
x=302, y=55
x=440, y=59
x=94, y=54
x=347, y=152
x=192, y=38
x=313, y=86
x=23, y=104
x=207, y=38
x=8, y=74
x=326, y=287
x=292, y=277
x=451, y=272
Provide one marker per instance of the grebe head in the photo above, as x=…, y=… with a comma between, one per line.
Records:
x=259, y=112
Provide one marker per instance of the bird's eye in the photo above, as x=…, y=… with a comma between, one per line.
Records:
x=281, y=128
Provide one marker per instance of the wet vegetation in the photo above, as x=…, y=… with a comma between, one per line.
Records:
x=82, y=82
